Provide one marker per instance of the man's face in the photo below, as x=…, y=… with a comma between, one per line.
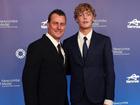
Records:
x=85, y=20
x=56, y=26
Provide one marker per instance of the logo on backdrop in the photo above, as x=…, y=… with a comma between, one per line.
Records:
x=135, y=23
x=44, y=24
x=121, y=51
x=100, y=23
x=20, y=53
x=133, y=79
x=8, y=23
x=121, y=103
x=10, y=83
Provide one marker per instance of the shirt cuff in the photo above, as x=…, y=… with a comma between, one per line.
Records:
x=108, y=102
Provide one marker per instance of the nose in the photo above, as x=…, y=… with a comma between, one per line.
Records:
x=59, y=26
x=84, y=16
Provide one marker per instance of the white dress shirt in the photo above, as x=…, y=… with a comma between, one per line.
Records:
x=81, y=40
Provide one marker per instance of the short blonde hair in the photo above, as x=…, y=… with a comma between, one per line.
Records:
x=84, y=7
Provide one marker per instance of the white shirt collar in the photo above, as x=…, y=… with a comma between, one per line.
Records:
x=81, y=36
x=55, y=42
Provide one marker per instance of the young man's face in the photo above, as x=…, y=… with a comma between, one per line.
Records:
x=85, y=20
x=56, y=26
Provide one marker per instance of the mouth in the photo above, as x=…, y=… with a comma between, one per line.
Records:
x=85, y=22
x=58, y=32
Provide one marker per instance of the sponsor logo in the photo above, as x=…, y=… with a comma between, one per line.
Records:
x=20, y=53
x=10, y=83
x=133, y=79
x=100, y=23
x=8, y=23
x=134, y=24
x=44, y=24
x=121, y=51
x=120, y=103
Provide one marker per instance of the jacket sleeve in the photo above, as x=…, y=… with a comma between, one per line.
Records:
x=109, y=70
x=67, y=67
x=30, y=76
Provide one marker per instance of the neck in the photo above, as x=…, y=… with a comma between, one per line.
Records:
x=85, y=31
x=55, y=38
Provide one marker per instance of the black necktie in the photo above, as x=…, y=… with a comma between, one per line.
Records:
x=85, y=48
x=60, y=53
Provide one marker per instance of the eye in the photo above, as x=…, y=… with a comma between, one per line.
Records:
x=88, y=14
x=62, y=24
x=80, y=14
x=55, y=23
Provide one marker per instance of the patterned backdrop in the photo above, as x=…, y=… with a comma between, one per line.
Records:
x=23, y=21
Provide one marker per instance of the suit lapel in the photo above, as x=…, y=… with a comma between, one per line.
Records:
x=76, y=51
x=92, y=45
x=52, y=49
x=92, y=42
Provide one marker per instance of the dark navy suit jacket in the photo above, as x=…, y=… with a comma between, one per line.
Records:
x=96, y=75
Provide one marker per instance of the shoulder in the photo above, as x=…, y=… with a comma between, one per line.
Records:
x=71, y=38
x=37, y=44
x=101, y=36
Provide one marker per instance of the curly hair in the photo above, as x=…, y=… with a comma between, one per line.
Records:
x=84, y=7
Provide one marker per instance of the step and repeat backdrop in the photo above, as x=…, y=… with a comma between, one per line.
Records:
x=23, y=21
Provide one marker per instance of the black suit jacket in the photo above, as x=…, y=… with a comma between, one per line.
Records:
x=96, y=75
x=44, y=81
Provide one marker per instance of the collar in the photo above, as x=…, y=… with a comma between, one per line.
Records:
x=81, y=36
x=55, y=42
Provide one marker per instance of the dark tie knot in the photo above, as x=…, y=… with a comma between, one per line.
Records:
x=59, y=46
x=85, y=38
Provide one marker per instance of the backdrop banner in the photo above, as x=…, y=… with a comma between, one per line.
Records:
x=23, y=21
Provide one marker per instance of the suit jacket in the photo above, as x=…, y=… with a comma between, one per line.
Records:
x=95, y=75
x=44, y=81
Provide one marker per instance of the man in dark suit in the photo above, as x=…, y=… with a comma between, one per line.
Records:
x=90, y=62
x=44, y=81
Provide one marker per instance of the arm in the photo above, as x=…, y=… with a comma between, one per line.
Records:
x=67, y=67
x=30, y=76
x=109, y=71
